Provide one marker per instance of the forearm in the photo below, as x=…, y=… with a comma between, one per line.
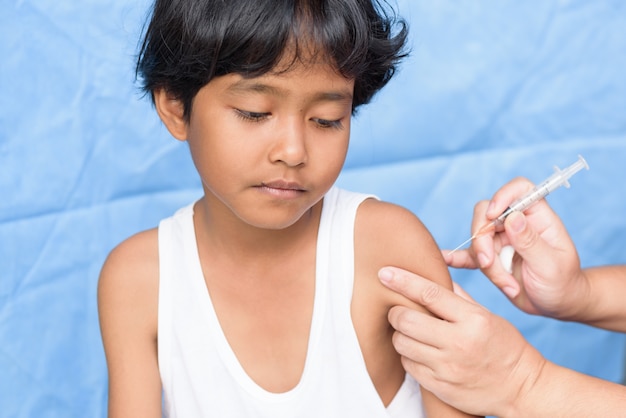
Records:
x=604, y=305
x=561, y=392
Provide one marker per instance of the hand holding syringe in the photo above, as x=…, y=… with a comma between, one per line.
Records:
x=559, y=178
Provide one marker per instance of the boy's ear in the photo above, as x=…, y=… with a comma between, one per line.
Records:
x=171, y=112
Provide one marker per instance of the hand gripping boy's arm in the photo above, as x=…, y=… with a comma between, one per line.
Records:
x=480, y=362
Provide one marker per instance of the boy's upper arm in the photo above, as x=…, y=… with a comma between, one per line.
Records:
x=389, y=235
x=127, y=307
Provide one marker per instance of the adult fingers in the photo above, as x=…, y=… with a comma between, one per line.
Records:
x=482, y=247
x=460, y=259
x=436, y=299
x=485, y=212
x=416, y=342
x=506, y=195
x=418, y=327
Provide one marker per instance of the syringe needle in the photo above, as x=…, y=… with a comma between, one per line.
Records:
x=462, y=244
x=482, y=230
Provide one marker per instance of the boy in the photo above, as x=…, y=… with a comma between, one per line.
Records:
x=262, y=298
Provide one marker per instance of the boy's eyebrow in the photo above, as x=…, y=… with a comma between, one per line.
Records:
x=243, y=86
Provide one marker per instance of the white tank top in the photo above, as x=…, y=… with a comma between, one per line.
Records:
x=200, y=373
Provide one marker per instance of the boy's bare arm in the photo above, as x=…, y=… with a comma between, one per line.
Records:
x=389, y=235
x=127, y=305
x=392, y=235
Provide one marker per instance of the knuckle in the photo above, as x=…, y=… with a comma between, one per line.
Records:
x=449, y=371
x=431, y=294
x=478, y=328
x=476, y=319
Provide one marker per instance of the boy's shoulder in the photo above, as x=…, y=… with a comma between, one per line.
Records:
x=390, y=221
x=139, y=250
x=387, y=234
x=133, y=265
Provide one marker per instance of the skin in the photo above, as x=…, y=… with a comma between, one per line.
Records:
x=478, y=361
x=267, y=150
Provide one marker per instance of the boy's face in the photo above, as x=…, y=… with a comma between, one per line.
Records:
x=269, y=148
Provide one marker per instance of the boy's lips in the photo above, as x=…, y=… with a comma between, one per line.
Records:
x=281, y=189
x=283, y=185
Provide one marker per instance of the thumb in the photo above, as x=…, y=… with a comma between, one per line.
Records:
x=526, y=241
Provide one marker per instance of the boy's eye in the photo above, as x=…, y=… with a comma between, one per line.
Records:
x=251, y=116
x=325, y=123
x=260, y=116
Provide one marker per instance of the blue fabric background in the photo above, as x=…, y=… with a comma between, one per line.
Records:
x=491, y=91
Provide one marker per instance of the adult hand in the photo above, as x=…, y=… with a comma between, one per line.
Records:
x=545, y=276
x=468, y=357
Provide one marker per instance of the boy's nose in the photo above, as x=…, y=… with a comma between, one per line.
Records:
x=290, y=146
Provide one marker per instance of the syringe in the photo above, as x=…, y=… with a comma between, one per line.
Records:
x=556, y=180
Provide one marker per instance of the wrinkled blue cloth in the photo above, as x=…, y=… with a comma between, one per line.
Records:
x=491, y=91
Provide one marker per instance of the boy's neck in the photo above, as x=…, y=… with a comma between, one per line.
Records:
x=229, y=235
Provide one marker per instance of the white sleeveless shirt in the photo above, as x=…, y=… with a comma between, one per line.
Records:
x=200, y=373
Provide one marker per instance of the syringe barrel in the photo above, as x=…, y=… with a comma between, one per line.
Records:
x=536, y=194
x=556, y=180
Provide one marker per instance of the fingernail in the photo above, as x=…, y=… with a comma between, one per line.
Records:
x=483, y=260
x=510, y=291
x=385, y=275
x=517, y=221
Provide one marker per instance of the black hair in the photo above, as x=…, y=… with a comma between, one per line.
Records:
x=189, y=42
